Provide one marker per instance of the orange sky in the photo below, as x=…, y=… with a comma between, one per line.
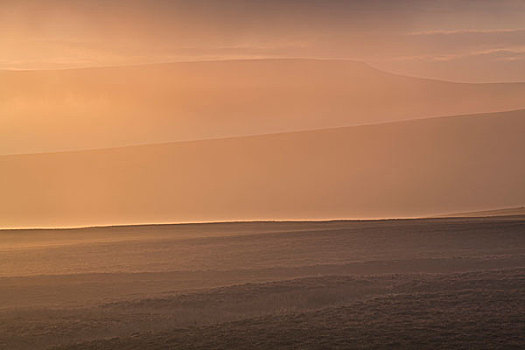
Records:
x=408, y=168
x=448, y=39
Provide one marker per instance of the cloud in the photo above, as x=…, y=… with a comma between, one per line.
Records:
x=482, y=66
x=62, y=33
x=466, y=32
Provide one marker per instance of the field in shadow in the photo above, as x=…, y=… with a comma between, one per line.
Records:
x=435, y=283
x=480, y=319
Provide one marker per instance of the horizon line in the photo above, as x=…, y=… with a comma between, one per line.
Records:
x=145, y=64
x=247, y=59
x=448, y=215
x=276, y=133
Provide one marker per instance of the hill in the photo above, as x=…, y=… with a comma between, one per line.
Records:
x=415, y=283
x=45, y=111
x=486, y=213
x=403, y=169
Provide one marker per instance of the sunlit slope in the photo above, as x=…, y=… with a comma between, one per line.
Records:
x=45, y=111
x=412, y=168
x=488, y=213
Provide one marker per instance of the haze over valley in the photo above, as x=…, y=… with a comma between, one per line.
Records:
x=57, y=110
x=278, y=174
x=404, y=169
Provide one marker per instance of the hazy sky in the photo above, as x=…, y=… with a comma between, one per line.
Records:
x=465, y=40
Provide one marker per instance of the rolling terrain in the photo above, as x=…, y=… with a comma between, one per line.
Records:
x=261, y=175
x=55, y=110
x=418, y=283
x=403, y=169
x=485, y=213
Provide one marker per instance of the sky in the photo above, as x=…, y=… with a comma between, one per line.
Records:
x=458, y=40
x=266, y=67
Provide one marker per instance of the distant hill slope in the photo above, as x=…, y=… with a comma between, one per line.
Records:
x=484, y=213
x=413, y=168
x=104, y=107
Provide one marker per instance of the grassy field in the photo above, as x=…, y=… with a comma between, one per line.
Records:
x=429, y=283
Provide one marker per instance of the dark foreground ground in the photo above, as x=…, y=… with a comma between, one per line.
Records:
x=434, y=283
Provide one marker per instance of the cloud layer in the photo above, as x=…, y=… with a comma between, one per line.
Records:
x=428, y=38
